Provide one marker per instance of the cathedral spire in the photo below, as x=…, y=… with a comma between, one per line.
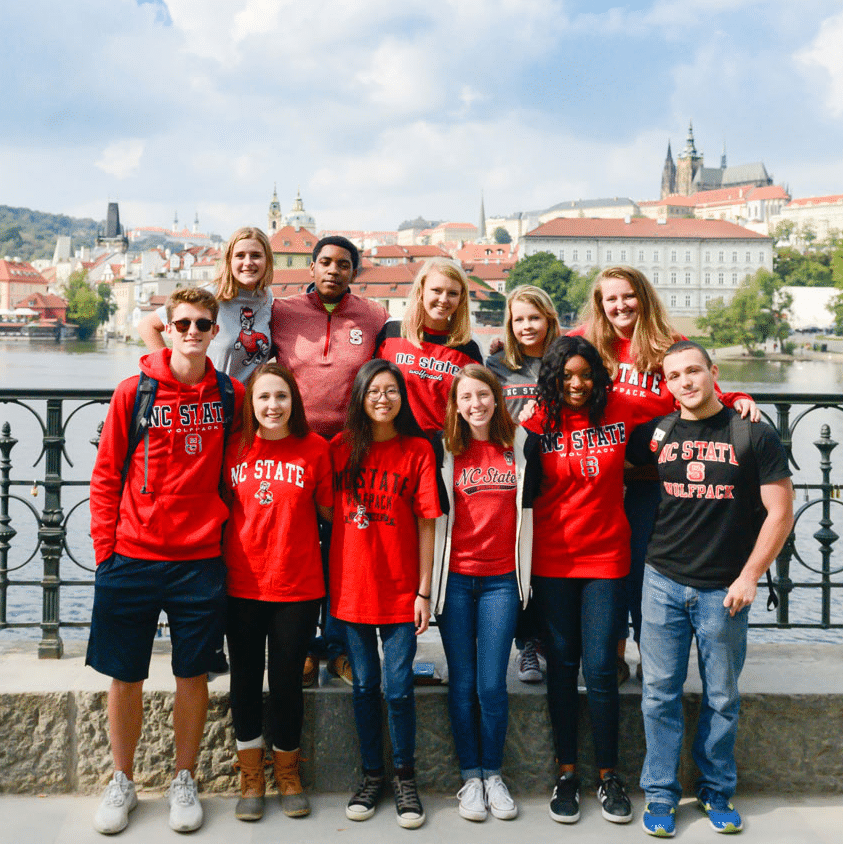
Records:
x=482, y=221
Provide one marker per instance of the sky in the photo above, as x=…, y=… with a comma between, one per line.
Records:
x=381, y=111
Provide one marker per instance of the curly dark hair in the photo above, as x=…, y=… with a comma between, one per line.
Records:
x=358, y=426
x=551, y=374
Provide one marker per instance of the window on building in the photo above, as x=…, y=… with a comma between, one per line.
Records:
x=687, y=301
x=720, y=257
x=735, y=279
x=707, y=257
x=623, y=256
x=655, y=254
x=734, y=257
x=687, y=254
x=641, y=255
x=608, y=254
x=708, y=278
x=673, y=278
x=289, y=260
x=672, y=254
x=707, y=298
x=587, y=254
x=721, y=278
x=561, y=254
x=576, y=254
x=655, y=278
x=672, y=301
x=760, y=257
x=687, y=278
x=748, y=257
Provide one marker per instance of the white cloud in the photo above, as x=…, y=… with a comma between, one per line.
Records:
x=122, y=158
x=826, y=52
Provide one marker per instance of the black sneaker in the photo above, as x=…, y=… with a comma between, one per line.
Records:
x=565, y=802
x=361, y=807
x=407, y=803
x=612, y=796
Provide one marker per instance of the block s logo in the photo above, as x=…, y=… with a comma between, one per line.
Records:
x=355, y=336
x=590, y=467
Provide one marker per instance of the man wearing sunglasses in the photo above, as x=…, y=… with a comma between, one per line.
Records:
x=156, y=525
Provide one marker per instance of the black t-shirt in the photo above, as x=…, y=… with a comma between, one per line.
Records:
x=705, y=529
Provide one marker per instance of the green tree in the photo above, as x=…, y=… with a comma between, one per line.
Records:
x=547, y=272
x=501, y=235
x=783, y=230
x=836, y=306
x=87, y=307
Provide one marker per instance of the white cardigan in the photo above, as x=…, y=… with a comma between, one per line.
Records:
x=523, y=530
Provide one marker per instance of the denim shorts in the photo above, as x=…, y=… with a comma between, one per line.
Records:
x=129, y=596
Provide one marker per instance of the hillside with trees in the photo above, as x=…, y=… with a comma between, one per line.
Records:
x=28, y=234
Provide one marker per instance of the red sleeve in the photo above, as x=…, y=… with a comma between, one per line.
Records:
x=106, y=479
x=324, y=477
x=426, y=499
x=729, y=399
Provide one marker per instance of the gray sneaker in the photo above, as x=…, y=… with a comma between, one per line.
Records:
x=185, y=808
x=118, y=799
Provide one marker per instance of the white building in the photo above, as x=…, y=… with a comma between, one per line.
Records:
x=689, y=261
x=823, y=214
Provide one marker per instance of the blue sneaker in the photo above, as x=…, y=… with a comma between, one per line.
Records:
x=721, y=813
x=659, y=819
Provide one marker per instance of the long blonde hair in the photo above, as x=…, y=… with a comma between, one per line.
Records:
x=412, y=326
x=538, y=298
x=653, y=333
x=227, y=285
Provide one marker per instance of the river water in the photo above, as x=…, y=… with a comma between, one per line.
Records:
x=97, y=365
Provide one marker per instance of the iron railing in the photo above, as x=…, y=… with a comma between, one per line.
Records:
x=55, y=410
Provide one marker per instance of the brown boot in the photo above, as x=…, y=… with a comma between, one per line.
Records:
x=294, y=802
x=250, y=763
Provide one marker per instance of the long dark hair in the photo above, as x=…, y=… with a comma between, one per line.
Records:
x=552, y=372
x=297, y=425
x=358, y=425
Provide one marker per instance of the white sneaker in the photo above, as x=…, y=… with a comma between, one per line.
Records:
x=118, y=799
x=498, y=799
x=185, y=808
x=472, y=802
x=529, y=668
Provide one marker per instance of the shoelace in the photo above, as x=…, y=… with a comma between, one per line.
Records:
x=407, y=797
x=472, y=790
x=114, y=795
x=369, y=789
x=612, y=787
x=497, y=793
x=530, y=659
x=183, y=793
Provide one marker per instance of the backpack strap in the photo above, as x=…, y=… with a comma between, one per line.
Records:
x=226, y=389
x=139, y=425
x=661, y=433
x=740, y=434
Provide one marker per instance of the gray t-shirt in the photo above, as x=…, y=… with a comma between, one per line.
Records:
x=243, y=340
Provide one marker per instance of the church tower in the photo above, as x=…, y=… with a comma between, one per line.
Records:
x=274, y=215
x=689, y=163
x=668, y=174
x=481, y=224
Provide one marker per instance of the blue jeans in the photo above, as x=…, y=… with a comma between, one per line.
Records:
x=640, y=503
x=332, y=641
x=477, y=624
x=399, y=650
x=579, y=622
x=672, y=614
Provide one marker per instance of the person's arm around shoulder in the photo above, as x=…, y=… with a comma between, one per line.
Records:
x=421, y=607
x=151, y=331
x=777, y=498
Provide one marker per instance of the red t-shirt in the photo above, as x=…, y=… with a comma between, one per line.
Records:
x=375, y=541
x=579, y=525
x=271, y=544
x=483, y=535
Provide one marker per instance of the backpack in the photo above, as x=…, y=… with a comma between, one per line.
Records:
x=142, y=413
x=739, y=436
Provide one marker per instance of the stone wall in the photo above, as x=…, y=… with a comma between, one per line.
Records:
x=58, y=742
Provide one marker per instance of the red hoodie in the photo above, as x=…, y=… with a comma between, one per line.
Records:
x=180, y=516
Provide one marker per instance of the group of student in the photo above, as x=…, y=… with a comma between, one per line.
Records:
x=382, y=460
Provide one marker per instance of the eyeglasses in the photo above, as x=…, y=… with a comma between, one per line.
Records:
x=391, y=393
x=203, y=324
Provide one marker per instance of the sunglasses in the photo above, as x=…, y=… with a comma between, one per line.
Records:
x=203, y=324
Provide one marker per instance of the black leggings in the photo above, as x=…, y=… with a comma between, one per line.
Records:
x=288, y=627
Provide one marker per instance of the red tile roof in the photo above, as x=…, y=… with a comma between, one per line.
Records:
x=643, y=227
x=21, y=271
x=42, y=300
x=833, y=199
x=287, y=239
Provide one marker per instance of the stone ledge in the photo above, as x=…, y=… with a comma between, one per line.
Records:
x=56, y=741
